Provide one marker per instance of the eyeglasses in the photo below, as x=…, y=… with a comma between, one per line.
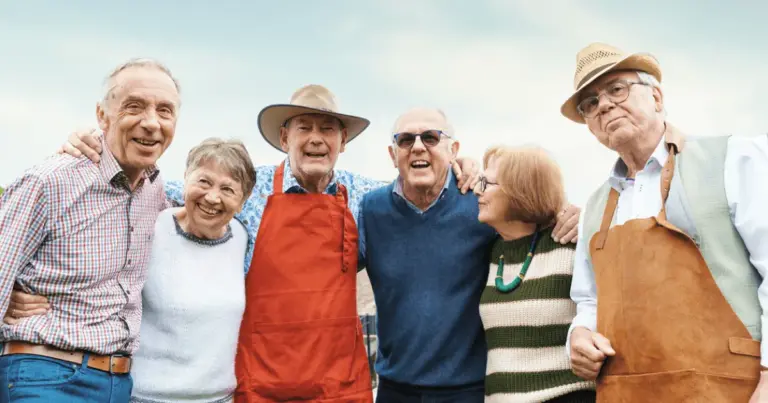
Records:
x=430, y=138
x=617, y=92
x=484, y=183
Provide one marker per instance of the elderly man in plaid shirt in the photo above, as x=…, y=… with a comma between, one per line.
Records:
x=80, y=233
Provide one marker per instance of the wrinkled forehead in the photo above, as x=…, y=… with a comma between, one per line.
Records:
x=418, y=121
x=594, y=87
x=316, y=119
x=147, y=83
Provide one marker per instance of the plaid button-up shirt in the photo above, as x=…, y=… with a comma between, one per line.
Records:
x=73, y=231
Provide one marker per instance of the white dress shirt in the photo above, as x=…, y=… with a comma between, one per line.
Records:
x=746, y=189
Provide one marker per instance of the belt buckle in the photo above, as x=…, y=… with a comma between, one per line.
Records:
x=111, y=363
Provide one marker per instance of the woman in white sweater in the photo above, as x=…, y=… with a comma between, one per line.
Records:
x=194, y=295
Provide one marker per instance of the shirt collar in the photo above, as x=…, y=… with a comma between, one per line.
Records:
x=291, y=184
x=398, y=189
x=672, y=138
x=113, y=173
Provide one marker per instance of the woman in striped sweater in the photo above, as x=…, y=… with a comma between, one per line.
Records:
x=526, y=307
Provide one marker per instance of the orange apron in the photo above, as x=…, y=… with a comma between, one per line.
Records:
x=677, y=340
x=301, y=338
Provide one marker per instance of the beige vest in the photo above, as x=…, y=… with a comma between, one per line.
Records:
x=698, y=206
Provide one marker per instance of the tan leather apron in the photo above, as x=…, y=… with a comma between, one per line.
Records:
x=677, y=340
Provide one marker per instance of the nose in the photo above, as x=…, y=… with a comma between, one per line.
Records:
x=604, y=104
x=150, y=122
x=212, y=196
x=478, y=192
x=418, y=145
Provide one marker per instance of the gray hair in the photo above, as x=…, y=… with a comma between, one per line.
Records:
x=228, y=154
x=109, y=82
x=651, y=81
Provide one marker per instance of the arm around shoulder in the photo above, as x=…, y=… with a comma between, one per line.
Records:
x=24, y=213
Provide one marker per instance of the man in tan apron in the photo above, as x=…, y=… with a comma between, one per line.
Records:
x=674, y=248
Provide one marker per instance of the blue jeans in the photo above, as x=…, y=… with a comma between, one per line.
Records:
x=393, y=392
x=26, y=378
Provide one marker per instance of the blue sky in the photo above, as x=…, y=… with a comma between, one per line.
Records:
x=499, y=69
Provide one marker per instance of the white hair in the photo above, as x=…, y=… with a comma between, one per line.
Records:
x=109, y=82
x=651, y=81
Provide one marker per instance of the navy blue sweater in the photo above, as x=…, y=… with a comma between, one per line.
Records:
x=427, y=271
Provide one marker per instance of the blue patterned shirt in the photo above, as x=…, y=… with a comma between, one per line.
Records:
x=253, y=209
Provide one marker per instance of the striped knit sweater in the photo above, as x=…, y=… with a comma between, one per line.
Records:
x=526, y=329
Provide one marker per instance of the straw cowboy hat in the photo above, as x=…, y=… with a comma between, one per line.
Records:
x=598, y=59
x=307, y=99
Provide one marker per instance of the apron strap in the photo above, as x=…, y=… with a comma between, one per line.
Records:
x=610, y=209
x=341, y=198
x=666, y=180
x=277, y=184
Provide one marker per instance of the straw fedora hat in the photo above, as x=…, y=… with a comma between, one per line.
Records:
x=598, y=59
x=307, y=99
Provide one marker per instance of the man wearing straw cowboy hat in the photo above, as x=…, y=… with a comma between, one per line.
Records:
x=674, y=248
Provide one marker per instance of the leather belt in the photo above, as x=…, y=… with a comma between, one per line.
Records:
x=114, y=364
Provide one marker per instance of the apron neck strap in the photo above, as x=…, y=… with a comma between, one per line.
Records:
x=613, y=197
x=667, y=172
x=277, y=185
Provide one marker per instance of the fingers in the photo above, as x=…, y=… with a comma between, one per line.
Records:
x=569, y=231
x=603, y=344
x=473, y=181
x=84, y=142
x=586, y=357
x=24, y=299
x=10, y=320
x=457, y=171
x=467, y=180
x=567, y=220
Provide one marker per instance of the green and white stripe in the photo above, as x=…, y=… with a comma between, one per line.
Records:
x=526, y=329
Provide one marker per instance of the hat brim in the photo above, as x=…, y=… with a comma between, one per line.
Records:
x=272, y=118
x=637, y=61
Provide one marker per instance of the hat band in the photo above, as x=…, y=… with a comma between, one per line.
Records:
x=594, y=73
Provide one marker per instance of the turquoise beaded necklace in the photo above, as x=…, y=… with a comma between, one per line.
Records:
x=520, y=277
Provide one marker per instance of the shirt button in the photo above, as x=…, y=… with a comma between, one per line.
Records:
x=131, y=227
x=129, y=261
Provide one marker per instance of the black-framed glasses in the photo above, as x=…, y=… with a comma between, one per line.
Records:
x=617, y=92
x=484, y=182
x=430, y=138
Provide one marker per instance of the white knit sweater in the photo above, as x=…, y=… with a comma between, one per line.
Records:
x=193, y=303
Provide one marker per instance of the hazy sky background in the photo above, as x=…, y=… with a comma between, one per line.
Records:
x=499, y=69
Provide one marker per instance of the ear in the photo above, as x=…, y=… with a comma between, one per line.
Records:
x=393, y=155
x=658, y=99
x=454, y=149
x=343, y=140
x=284, y=139
x=101, y=117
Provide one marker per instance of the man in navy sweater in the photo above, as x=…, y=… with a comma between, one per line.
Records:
x=427, y=258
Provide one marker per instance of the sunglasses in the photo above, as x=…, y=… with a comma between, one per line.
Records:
x=430, y=138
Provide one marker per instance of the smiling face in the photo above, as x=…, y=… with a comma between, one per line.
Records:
x=211, y=198
x=313, y=143
x=423, y=163
x=139, y=117
x=619, y=125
